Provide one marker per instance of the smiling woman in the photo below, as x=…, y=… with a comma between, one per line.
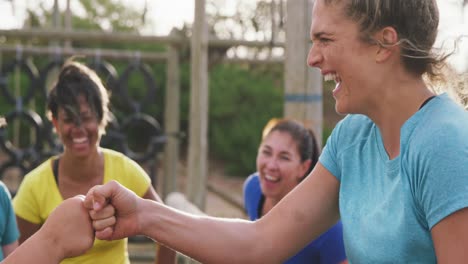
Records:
x=394, y=169
x=287, y=154
x=78, y=108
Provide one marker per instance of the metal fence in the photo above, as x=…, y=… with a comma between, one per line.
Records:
x=29, y=139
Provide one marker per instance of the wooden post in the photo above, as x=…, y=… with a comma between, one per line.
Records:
x=303, y=85
x=171, y=121
x=198, y=117
x=68, y=23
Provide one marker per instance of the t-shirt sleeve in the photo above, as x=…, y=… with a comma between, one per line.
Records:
x=332, y=248
x=442, y=170
x=11, y=233
x=24, y=202
x=250, y=190
x=135, y=177
x=329, y=156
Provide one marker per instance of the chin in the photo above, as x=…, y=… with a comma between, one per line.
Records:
x=339, y=109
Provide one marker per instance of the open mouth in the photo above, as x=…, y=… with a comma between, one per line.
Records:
x=80, y=140
x=271, y=178
x=332, y=77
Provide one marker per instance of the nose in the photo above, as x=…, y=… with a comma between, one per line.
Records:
x=271, y=163
x=314, y=58
x=78, y=127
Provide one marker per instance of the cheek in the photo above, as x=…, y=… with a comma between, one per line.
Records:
x=259, y=162
x=291, y=171
x=92, y=127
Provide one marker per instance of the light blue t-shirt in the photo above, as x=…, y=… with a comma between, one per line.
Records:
x=388, y=207
x=8, y=229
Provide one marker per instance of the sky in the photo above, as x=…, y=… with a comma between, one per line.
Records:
x=164, y=13
x=174, y=13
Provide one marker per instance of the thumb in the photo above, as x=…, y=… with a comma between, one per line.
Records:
x=100, y=195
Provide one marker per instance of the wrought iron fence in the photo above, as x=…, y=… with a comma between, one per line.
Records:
x=22, y=151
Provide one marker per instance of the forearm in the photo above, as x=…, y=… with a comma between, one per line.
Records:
x=206, y=239
x=7, y=249
x=165, y=255
x=36, y=249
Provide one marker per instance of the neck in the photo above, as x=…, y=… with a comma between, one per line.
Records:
x=396, y=104
x=81, y=169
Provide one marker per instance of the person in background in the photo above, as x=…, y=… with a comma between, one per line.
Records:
x=287, y=154
x=9, y=233
x=78, y=109
x=394, y=170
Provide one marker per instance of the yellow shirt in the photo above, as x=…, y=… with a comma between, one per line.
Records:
x=38, y=195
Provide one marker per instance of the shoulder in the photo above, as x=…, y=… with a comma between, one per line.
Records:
x=252, y=180
x=352, y=131
x=113, y=155
x=351, y=128
x=126, y=171
x=118, y=160
x=3, y=188
x=40, y=173
x=4, y=192
x=252, y=195
x=444, y=127
x=252, y=186
x=357, y=125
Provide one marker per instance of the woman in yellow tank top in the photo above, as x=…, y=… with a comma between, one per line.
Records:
x=78, y=108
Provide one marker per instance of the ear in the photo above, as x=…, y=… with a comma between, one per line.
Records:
x=388, y=39
x=303, y=169
x=54, y=122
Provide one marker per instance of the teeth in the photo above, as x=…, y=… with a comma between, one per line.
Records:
x=271, y=178
x=330, y=77
x=79, y=140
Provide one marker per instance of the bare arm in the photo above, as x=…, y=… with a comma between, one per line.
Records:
x=217, y=240
x=26, y=228
x=164, y=255
x=7, y=249
x=37, y=249
x=450, y=238
x=55, y=240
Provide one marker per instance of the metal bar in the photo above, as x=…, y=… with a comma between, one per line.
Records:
x=274, y=60
x=95, y=36
x=215, y=42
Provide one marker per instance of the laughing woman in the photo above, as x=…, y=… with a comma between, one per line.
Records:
x=78, y=106
x=287, y=154
x=395, y=169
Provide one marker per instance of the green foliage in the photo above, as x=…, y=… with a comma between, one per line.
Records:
x=242, y=97
x=104, y=15
x=241, y=102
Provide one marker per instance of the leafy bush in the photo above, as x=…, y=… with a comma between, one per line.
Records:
x=242, y=100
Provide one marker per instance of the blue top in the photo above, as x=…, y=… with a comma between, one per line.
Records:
x=8, y=229
x=328, y=248
x=388, y=207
